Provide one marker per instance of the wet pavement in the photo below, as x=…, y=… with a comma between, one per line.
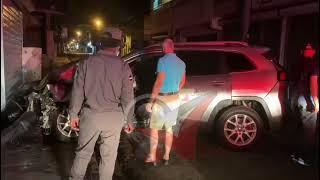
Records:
x=32, y=157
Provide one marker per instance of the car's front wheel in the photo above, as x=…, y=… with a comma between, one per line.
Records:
x=239, y=128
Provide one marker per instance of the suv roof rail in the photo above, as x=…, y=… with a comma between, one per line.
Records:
x=216, y=43
x=206, y=43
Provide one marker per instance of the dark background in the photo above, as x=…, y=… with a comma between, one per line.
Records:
x=111, y=11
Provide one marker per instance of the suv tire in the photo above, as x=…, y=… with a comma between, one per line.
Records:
x=239, y=128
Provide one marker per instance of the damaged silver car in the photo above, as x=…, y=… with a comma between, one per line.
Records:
x=50, y=100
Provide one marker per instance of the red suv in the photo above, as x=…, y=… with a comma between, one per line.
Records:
x=232, y=88
x=239, y=90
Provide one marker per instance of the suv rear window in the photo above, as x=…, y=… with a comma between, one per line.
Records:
x=238, y=63
x=200, y=63
x=269, y=54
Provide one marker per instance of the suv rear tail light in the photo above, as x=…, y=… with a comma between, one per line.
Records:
x=282, y=76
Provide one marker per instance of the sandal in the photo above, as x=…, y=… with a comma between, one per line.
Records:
x=165, y=162
x=150, y=164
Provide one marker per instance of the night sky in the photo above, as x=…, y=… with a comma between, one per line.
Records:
x=112, y=11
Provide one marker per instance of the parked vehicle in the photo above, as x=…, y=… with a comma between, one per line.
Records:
x=50, y=100
x=245, y=87
x=246, y=91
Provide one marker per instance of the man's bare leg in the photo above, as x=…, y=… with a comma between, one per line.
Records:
x=153, y=145
x=168, y=144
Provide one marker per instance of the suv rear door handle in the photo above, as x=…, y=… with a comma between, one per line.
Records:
x=216, y=83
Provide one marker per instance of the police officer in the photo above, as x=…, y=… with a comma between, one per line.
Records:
x=102, y=90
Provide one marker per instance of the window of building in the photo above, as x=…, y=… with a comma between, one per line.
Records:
x=158, y=3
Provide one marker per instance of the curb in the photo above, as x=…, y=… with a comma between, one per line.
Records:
x=21, y=125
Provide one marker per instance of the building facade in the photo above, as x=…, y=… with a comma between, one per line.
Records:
x=181, y=19
x=286, y=26
x=24, y=23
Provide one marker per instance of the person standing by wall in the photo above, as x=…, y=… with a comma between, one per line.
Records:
x=307, y=110
x=164, y=104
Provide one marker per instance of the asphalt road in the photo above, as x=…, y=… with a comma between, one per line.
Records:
x=32, y=157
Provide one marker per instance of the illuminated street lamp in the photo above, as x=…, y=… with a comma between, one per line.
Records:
x=98, y=23
x=78, y=33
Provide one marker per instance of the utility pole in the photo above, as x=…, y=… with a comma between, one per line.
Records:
x=246, y=13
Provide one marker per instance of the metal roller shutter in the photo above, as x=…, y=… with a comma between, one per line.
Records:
x=12, y=47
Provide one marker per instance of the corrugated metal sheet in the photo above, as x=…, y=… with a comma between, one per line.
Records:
x=3, y=91
x=12, y=47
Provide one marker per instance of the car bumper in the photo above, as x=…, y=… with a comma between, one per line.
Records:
x=275, y=102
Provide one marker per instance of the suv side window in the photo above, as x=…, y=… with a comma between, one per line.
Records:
x=199, y=63
x=238, y=63
x=145, y=64
x=144, y=69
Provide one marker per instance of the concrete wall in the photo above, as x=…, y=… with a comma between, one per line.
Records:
x=192, y=13
x=161, y=21
x=31, y=64
x=269, y=4
x=225, y=8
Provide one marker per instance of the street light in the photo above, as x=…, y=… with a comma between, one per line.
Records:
x=78, y=33
x=98, y=23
